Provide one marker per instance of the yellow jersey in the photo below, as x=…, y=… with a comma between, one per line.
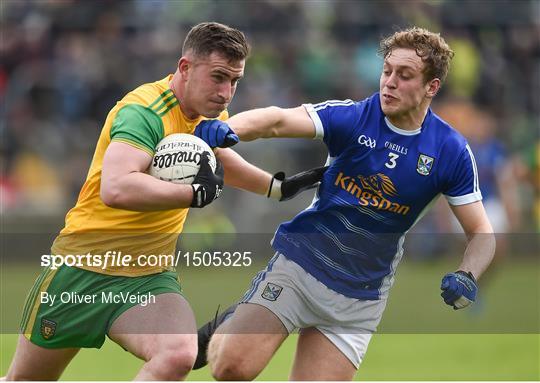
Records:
x=141, y=119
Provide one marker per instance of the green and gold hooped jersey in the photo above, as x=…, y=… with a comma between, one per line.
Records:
x=141, y=119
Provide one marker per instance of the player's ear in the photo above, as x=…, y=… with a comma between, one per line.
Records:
x=183, y=67
x=432, y=87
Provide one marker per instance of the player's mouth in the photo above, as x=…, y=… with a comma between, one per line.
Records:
x=221, y=104
x=388, y=99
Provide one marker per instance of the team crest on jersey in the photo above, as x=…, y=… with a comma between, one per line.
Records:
x=48, y=328
x=425, y=164
x=271, y=291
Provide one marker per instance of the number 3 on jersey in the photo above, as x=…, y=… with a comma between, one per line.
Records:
x=391, y=164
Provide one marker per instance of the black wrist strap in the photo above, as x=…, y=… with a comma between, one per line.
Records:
x=270, y=187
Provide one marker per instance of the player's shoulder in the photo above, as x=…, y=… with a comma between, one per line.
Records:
x=445, y=134
x=149, y=94
x=345, y=111
x=344, y=104
x=330, y=104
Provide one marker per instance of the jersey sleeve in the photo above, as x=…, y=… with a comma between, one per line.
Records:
x=334, y=121
x=462, y=187
x=137, y=126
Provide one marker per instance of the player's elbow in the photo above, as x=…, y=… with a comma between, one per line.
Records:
x=110, y=195
x=278, y=116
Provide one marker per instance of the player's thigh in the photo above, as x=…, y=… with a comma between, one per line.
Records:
x=166, y=325
x=32, y=362
x=249, y=338
x=317, y=358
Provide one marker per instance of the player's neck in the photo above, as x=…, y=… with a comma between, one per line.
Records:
x=411, y=120
x=177, y=89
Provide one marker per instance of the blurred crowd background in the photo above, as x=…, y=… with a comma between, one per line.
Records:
x=66, y=62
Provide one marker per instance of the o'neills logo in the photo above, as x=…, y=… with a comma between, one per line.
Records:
x=170, y=159
x=180, y=145
x=372, y=191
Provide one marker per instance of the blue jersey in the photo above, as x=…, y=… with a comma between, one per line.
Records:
x=380, y=182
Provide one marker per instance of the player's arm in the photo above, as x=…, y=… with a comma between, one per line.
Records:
x=481, y=240
x=125, y=185
x=257, y=123
x=459, y=288
x=272, y=122
x=242, y=175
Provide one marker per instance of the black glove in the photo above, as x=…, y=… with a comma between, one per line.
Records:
x=284, y=188
x=207, y=186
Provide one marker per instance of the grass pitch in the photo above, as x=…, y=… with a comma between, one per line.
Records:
x=498, y=339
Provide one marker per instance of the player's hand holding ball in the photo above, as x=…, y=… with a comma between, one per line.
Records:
x=185, y=159
x=216, y=133
x=207, y=185
x=459, y=289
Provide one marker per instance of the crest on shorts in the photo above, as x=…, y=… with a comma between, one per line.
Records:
x=425, y=163
x=271, y=291
x=48, y=328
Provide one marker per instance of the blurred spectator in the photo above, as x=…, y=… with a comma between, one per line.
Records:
x=527, y=168
x=498, y=183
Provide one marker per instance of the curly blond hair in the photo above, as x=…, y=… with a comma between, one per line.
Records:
x=429, y=46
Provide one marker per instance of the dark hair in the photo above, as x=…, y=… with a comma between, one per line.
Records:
x=205, y=38
x=429, y=46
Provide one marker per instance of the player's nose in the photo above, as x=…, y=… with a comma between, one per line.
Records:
x=225, y=92
x=391, y=81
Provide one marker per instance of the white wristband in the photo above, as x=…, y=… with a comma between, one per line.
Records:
x=275, y=189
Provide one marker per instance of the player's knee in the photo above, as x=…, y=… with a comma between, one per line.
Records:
x=233, y=368
x=213, y=348
x=175, y=364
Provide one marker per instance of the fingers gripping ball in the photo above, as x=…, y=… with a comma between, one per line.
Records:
x=178, y=157
x=208, y=184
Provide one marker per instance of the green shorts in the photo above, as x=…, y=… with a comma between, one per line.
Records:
x=71, y=307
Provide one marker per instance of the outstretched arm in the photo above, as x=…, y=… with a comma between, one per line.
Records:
x=272, y=122
x=261, y=123
x=242, y=175
x=257, y=123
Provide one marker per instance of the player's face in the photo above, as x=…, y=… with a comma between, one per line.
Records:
x=403, y=89
x=210, y=85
